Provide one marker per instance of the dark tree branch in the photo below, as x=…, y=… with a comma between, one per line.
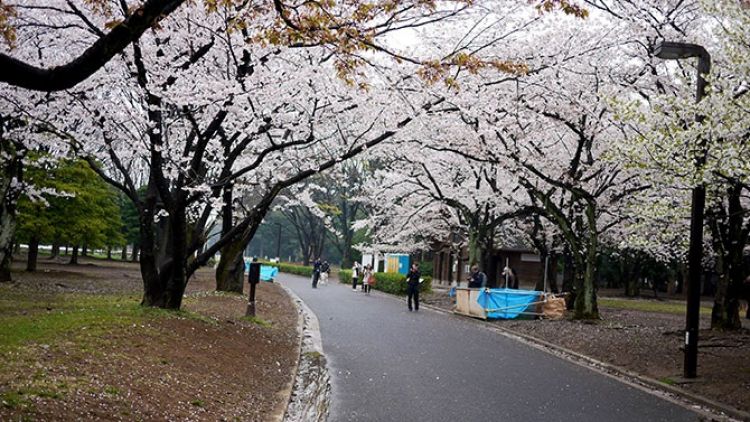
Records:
x=18, y=73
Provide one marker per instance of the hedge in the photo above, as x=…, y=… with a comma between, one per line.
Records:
x=291, y=268
x=345, y=276
x=393, y=283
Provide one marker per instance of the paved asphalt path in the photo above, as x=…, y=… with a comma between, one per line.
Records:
x=389, y=364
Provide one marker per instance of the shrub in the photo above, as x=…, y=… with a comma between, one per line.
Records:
x=395, y=283
x=345, y=276
x=425, y=267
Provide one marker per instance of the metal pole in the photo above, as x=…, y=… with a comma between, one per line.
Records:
x=546, y=264
x=278, y=242
x=253, y=277
x=506, y=270
x=695, y=253
x=251, y=302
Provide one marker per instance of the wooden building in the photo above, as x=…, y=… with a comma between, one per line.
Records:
x=450, y=266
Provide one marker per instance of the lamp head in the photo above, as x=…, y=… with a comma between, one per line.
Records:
x=676, y=50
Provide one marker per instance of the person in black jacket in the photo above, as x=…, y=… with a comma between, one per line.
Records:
x=412, y=286
x=477, y=279
x=316, y=273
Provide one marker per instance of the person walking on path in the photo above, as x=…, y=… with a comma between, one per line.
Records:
x=316, y=273
x=412, y=287
x=368, y=279
x=355, y=275
x=325, y=269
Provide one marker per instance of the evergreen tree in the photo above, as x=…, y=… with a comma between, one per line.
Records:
x=72, y=206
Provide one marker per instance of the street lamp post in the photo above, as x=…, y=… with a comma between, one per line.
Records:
x=278, y=242
x=675, y=51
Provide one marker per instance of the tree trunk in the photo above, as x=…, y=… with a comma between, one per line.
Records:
x=346, y=254
x=681, y=278
x=124, y=252
x=164, y=279
x=725, y=314
x=85, y=250
x=163, y=249
x=109, y=253
x=475, y=251
x=11, y=170
x=306, y=257
x=585, y=305
x=568, y=283
x=491, y=271
x=74, y=256
x=632, y=286
x=66, y=249
x=135, y=252
x=585, y=302
x=55, y=250
x=231, y=269
x=33, y=254
x=7, y=230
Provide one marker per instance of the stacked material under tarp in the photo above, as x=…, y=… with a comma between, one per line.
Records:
x=553, y=307
x=508, y=303
x=268, y=273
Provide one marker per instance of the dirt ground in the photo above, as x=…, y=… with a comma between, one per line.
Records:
x=649, y=344
x=209, y=363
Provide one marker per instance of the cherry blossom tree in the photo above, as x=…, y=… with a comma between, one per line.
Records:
x=673, y=139
x=422, y=195
x=552, y=127
x=189, y=112
x=349, y=28
x=325, y=208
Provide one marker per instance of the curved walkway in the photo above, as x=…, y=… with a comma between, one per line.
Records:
x=389, y=364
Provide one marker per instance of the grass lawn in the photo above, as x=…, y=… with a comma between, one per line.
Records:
x=75, y=344
x=666, y=307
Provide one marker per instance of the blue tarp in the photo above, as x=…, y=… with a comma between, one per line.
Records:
x=267, y=272
x=506, y=303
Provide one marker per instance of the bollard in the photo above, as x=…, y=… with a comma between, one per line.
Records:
x=253, y=277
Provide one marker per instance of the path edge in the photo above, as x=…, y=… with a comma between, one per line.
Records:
x=309, y=395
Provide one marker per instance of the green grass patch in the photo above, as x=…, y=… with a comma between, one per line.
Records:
x=21, y=397
x=14, y=400
x=668, y=381
x=197, y=403
x=26, y=317
x=66, y=314
x=256, y=320
x=112, y=391
x=665, y=307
